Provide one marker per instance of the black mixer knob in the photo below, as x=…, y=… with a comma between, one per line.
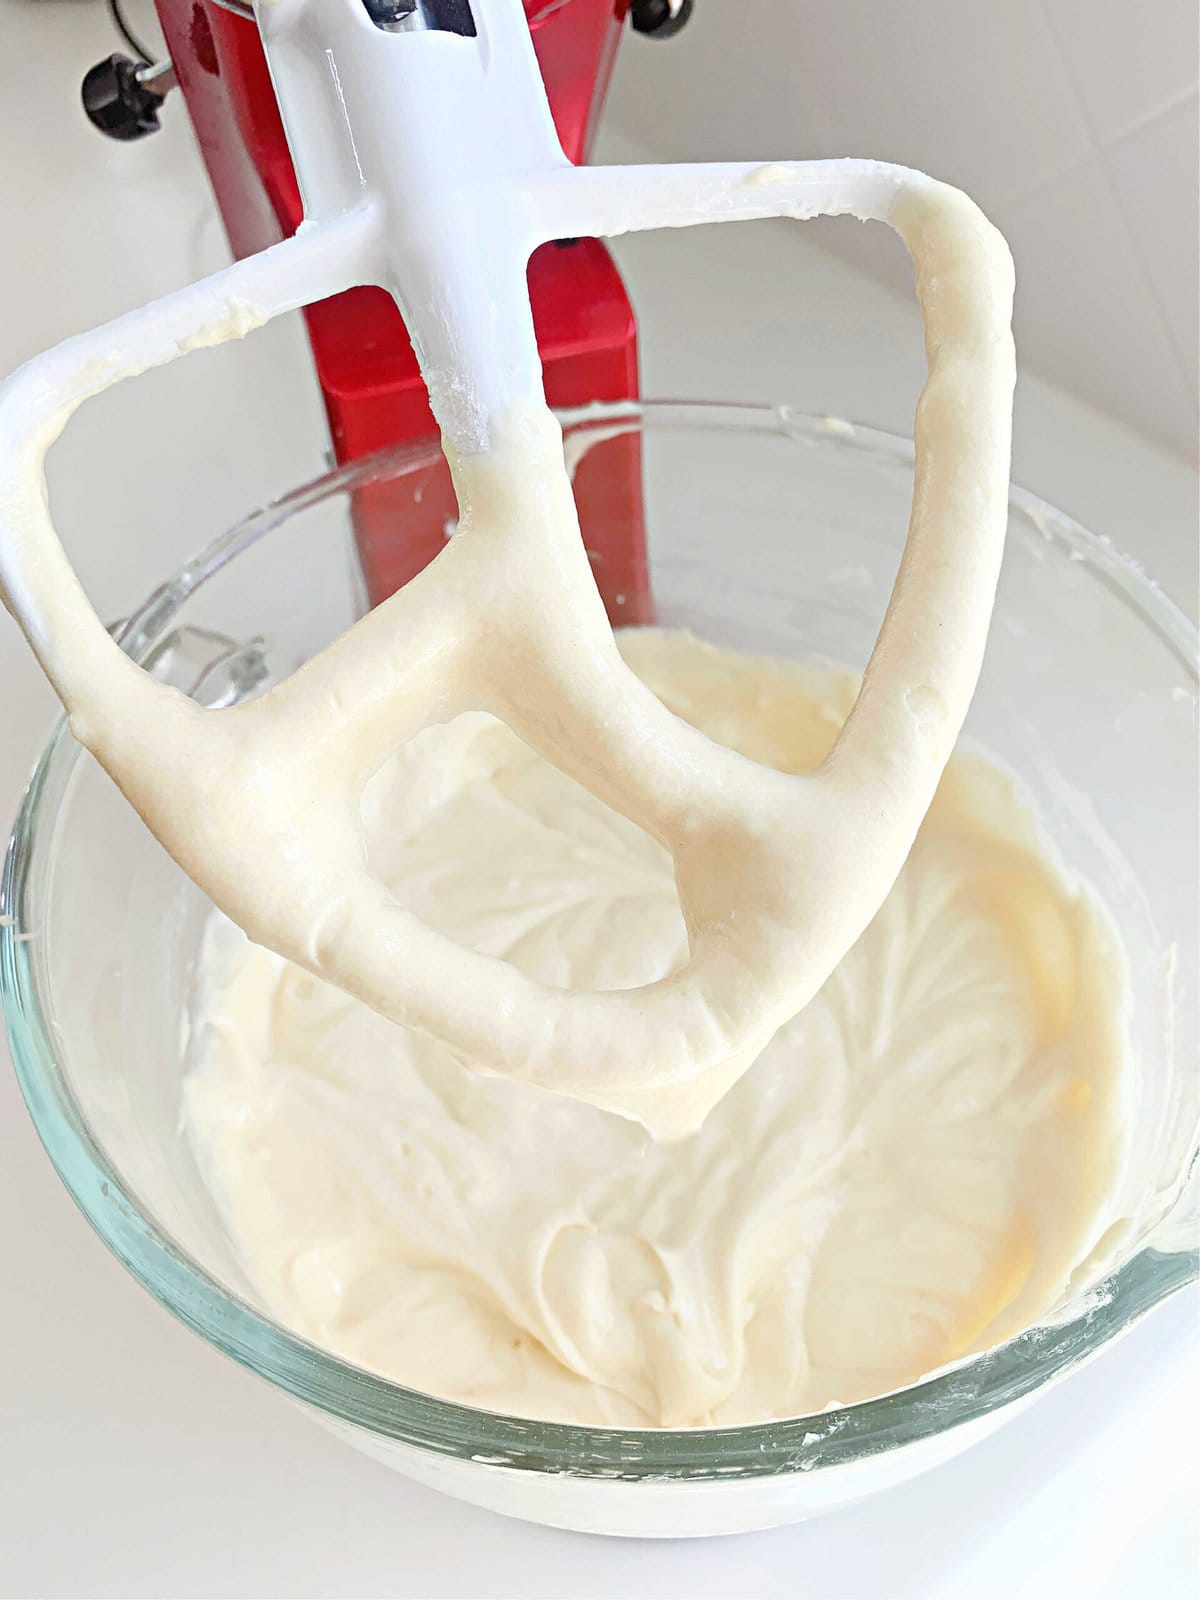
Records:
x=659, y=19
x=122, y=97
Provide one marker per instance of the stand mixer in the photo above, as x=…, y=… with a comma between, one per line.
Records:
x=429, y=165
x=375, y=397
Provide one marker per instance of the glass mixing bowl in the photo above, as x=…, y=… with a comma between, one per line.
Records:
x=766, y=530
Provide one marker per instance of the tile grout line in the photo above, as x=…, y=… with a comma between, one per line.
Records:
x=1162, y=316
x=1166, y=109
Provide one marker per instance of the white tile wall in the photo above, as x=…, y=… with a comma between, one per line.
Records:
x=1127, y=59
x=1153, y=168
x=1072, y=122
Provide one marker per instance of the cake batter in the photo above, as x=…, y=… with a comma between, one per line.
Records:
x=908, y=1173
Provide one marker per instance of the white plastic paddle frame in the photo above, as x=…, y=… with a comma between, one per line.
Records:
x=429, y=164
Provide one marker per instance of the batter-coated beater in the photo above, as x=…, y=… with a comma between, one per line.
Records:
x=429, y=164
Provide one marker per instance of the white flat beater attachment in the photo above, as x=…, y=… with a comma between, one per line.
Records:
x=429, y=164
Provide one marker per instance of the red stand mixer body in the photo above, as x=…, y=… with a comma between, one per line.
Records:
x=374, y=395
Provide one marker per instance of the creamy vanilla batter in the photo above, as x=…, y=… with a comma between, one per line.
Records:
x=909, y=1172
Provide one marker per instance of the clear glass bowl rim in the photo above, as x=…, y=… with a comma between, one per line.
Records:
x=966, y=1393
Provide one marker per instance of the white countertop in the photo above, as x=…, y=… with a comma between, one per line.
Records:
x=136, y=1461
